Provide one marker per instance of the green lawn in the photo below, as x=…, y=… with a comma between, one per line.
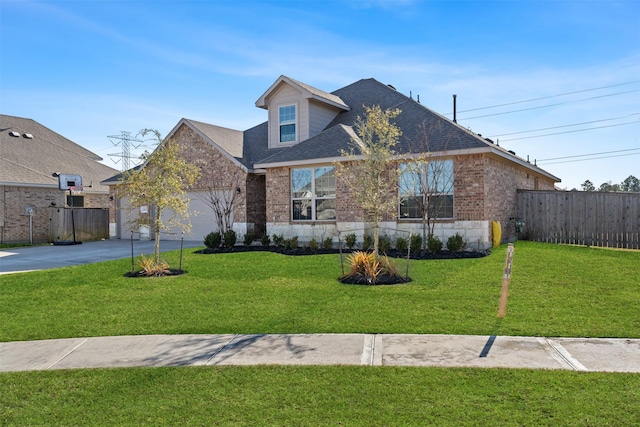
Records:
x=555, y=291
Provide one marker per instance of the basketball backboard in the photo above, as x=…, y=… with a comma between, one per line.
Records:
x=66, y=181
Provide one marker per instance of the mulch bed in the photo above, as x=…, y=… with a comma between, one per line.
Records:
x=352, y=280
x=166, y=273
x=307, y=251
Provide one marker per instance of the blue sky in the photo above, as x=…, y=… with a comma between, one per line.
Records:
x=89, y=69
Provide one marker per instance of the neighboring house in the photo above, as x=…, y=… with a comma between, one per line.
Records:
x=29, y=156
x=284, y=167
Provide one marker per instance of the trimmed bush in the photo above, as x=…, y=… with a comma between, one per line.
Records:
x=248, y=239
x=230, y=239
x=264, y=240
x=367, y=242
x=213, y=240
x=291, y=243
x=401, y=244
x=313, y=245
x=456, y=243
x=327, y=243
x=434, y=244
x=350, y=240
x=384, y=244
x=278, y=240
x=416, y=243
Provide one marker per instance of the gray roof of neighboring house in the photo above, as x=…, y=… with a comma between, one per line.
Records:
x=32, y=161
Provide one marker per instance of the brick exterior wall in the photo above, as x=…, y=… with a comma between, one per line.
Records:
x=278, y=195
x=485, y=190
x=14, y=200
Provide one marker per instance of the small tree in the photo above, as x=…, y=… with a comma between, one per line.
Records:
x=369, y=171
x=425, y=185
x=222, y=194
x=161, y=182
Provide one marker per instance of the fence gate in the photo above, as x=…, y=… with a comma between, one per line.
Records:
x=581, y=218
x=89, y=224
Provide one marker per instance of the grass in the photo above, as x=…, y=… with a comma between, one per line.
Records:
x=555, y=291
x=312, y=396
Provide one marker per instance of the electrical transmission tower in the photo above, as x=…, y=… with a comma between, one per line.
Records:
x=126, y=141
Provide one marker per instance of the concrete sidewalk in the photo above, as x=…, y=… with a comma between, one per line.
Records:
x=30, y=258
x=580, y=354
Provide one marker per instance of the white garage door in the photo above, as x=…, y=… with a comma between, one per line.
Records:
x=202, y=220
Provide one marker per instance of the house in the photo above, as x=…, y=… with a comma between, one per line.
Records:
x=30, y=155
x=284, y=167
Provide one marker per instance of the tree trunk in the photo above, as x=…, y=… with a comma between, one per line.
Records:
x=156, y=246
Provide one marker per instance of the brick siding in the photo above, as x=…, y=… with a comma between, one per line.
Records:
x=14, y=200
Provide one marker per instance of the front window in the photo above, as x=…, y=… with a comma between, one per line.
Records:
x=313, y=194
x=426, y=188
x=287, y=122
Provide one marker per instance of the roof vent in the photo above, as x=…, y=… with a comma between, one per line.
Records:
x=392, y=87
x=14, y=133
x=27, y=135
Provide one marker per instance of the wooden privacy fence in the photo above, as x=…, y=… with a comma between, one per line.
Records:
x=581, y=218
x=89, y=223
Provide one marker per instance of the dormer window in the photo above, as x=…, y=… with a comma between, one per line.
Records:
x=287, y=123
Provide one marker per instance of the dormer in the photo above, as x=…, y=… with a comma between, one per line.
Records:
x=297, y=111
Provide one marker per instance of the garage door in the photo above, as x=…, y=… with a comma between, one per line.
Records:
x=202, y=220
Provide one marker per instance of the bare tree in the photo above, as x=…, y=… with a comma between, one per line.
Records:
x=222, y=194
x=426, y=186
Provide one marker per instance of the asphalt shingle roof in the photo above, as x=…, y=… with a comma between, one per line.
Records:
x=31, y=161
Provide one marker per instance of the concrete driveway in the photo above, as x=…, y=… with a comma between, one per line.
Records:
x=45, y=257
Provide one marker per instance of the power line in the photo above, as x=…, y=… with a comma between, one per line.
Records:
x=594, y=158
x=563, y=126
x=549, y=97
x=591, y=154
x=549, y=105
x=571, y=131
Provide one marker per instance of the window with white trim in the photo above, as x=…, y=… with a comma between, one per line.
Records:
x=313, y=194
x=287, y=123
x=426, y=188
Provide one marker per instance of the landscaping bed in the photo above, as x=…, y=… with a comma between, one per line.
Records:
x=444, y=254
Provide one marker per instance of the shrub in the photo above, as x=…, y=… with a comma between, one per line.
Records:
x=213, y=240
x=401, y=244
x=434, y=244
x=150, y=268
x=327, y=243
x=350, y=240
x=384, y=244
x=264, y=240
x=364, y=264
x=456, y=243
x=230, y=238
x=367, y=242
x=388, y=267
x=278, y=240
x=248, y=239
x=291, y=243
x=416, y=243
x=313, y=245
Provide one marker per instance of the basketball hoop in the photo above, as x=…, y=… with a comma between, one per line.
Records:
x=73, y=190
